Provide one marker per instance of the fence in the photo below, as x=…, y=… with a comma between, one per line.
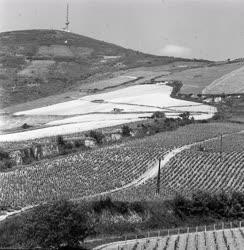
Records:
x=165, y=232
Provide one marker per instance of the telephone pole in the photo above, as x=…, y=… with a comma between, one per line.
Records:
x=158, y=178
x=221, y=147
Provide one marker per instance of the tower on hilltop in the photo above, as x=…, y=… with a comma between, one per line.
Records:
x=66, y=28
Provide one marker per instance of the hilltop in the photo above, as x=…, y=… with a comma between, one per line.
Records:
x=40, y=63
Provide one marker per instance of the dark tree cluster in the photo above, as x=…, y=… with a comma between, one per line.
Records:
x=62, y=225
x=222, y=205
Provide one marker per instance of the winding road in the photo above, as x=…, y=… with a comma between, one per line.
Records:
x=149, y=174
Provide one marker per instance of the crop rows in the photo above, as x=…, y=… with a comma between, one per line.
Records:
x=229, y=239
x=191, y=171
x=77, y=175
x=234, y=142
x=107, y=168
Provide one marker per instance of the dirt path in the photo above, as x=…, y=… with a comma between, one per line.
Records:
x=8, y=214
x=149, y=174
x=153, y=171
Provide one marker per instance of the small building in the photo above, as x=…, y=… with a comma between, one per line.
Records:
x=116, y=136
x=90, y=142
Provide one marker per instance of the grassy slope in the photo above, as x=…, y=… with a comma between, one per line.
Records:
x=195, y=80
x=39, y=63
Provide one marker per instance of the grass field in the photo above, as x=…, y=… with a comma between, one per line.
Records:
x=196, y=80
x=229, y=83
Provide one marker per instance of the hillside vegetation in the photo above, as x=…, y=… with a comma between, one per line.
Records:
x=64, y=223
x=39, y=63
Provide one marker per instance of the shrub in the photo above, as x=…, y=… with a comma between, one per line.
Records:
x=126, y=130
x=60, y=140
x=158, y=114
x=221, y=205
x=98, y=136
x=26, y=126
x=3, y=155
x=50, y=226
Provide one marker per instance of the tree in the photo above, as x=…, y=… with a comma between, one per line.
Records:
x=126, y=130
x=185, y=116
x=60, y=140
x=98, y=136
x=158, y=114
x=56, y=225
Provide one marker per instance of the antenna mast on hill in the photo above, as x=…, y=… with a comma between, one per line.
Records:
x=67, y=19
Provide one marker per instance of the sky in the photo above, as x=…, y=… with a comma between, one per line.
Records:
x=209, y=29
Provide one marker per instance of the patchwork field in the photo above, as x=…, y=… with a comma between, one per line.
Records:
x=37, y=68
x=55, y=51
x=102, y=170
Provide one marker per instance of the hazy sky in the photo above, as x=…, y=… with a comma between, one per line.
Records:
x=211, y=29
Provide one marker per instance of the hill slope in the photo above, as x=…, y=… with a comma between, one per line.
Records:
x=38, y=63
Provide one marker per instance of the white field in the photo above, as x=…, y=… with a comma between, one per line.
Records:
x=228, y=84
x=100, y=118
x=62, y=129
x=146, y=98
x=142, y=100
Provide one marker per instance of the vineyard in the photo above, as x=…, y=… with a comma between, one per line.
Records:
x=191, y=171
x=230, y=143
x=104, y=169
x=232, y=239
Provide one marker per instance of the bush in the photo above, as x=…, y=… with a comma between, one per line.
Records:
x=158, y=114
x=60, y=140
x=126, y=130
x=26, y=126
x=5, y=161
x=98, y=136
x=62, y=225
x=3, y=155
x=222, y=205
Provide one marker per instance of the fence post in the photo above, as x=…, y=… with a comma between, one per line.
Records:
x=168, y=232
x=230, y=224
x=178, y=231
x=214, y=228
x=188, y=230
x=158, y=233
x=205, y=228
x=223, y=226
x=196, y=229
x=148, y=234
x=239, y=224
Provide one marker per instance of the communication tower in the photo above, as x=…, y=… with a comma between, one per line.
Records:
x=66, y=28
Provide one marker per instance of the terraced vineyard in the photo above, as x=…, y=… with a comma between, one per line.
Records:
x=230, y=143
x=105, y=169
x=193, y=170
x=222, y=239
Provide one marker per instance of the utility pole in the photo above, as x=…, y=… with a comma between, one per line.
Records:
x=221, y=147
x=158, y=178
